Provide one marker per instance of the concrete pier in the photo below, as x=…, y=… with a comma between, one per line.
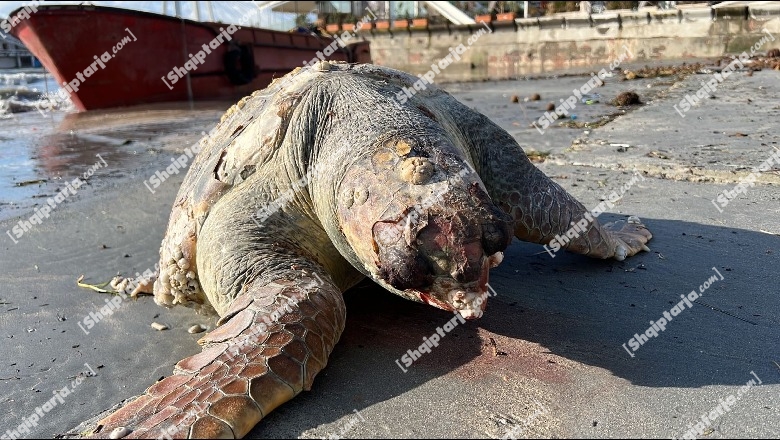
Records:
x=538, y=45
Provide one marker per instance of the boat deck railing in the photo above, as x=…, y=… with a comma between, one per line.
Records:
x=15, y=53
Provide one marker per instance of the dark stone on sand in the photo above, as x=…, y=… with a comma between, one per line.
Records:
x=627, y=98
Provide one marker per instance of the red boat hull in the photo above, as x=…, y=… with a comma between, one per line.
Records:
x=66, y=39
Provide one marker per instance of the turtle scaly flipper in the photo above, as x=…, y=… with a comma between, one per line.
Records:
x=249, y=365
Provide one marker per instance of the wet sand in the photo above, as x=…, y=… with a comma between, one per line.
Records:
x=41, y=151
x=560, y=322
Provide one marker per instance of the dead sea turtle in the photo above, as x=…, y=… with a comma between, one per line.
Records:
x=332, y=174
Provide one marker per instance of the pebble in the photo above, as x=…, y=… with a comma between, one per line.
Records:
x=159, y=327
x=197, y=328
x=119, y=432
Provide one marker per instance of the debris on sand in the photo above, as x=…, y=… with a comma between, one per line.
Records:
x=626, y=98
x=30, y=182
x=536, y=97
x=662, y=71
x=537, y=156
x=197, y=328
x=496, y=351
x=515, y=99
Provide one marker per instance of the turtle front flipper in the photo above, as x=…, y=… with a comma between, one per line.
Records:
x=271, y=343
x=543, y=212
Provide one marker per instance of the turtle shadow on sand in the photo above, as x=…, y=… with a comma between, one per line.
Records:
x=573, y=307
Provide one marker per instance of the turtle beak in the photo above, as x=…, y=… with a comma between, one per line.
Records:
x=442, y=260
x=470, y=299
x=471, y=304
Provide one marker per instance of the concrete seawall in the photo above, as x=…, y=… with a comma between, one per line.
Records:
x=545, y=44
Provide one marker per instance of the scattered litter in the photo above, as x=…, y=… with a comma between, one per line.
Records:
x=591, y=99
x=496, y=351
x=537, y=156
x=657, y=154
x=633, y=269
x=30, y=182
x=621, y=148
x=159, y=327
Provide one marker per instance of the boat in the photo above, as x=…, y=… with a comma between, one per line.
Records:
x=112, y=57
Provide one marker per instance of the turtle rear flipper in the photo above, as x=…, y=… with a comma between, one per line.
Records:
x=271, y=343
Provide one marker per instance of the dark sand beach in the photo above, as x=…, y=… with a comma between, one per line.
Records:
x=548, y=357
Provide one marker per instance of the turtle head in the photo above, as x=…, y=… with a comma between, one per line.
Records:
x=421, y=224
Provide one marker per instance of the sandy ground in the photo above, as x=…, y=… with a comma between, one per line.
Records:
x=547, y=360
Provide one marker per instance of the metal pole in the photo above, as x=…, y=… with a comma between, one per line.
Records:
x=184, y=50
x=211, y=12
x=190, y=97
